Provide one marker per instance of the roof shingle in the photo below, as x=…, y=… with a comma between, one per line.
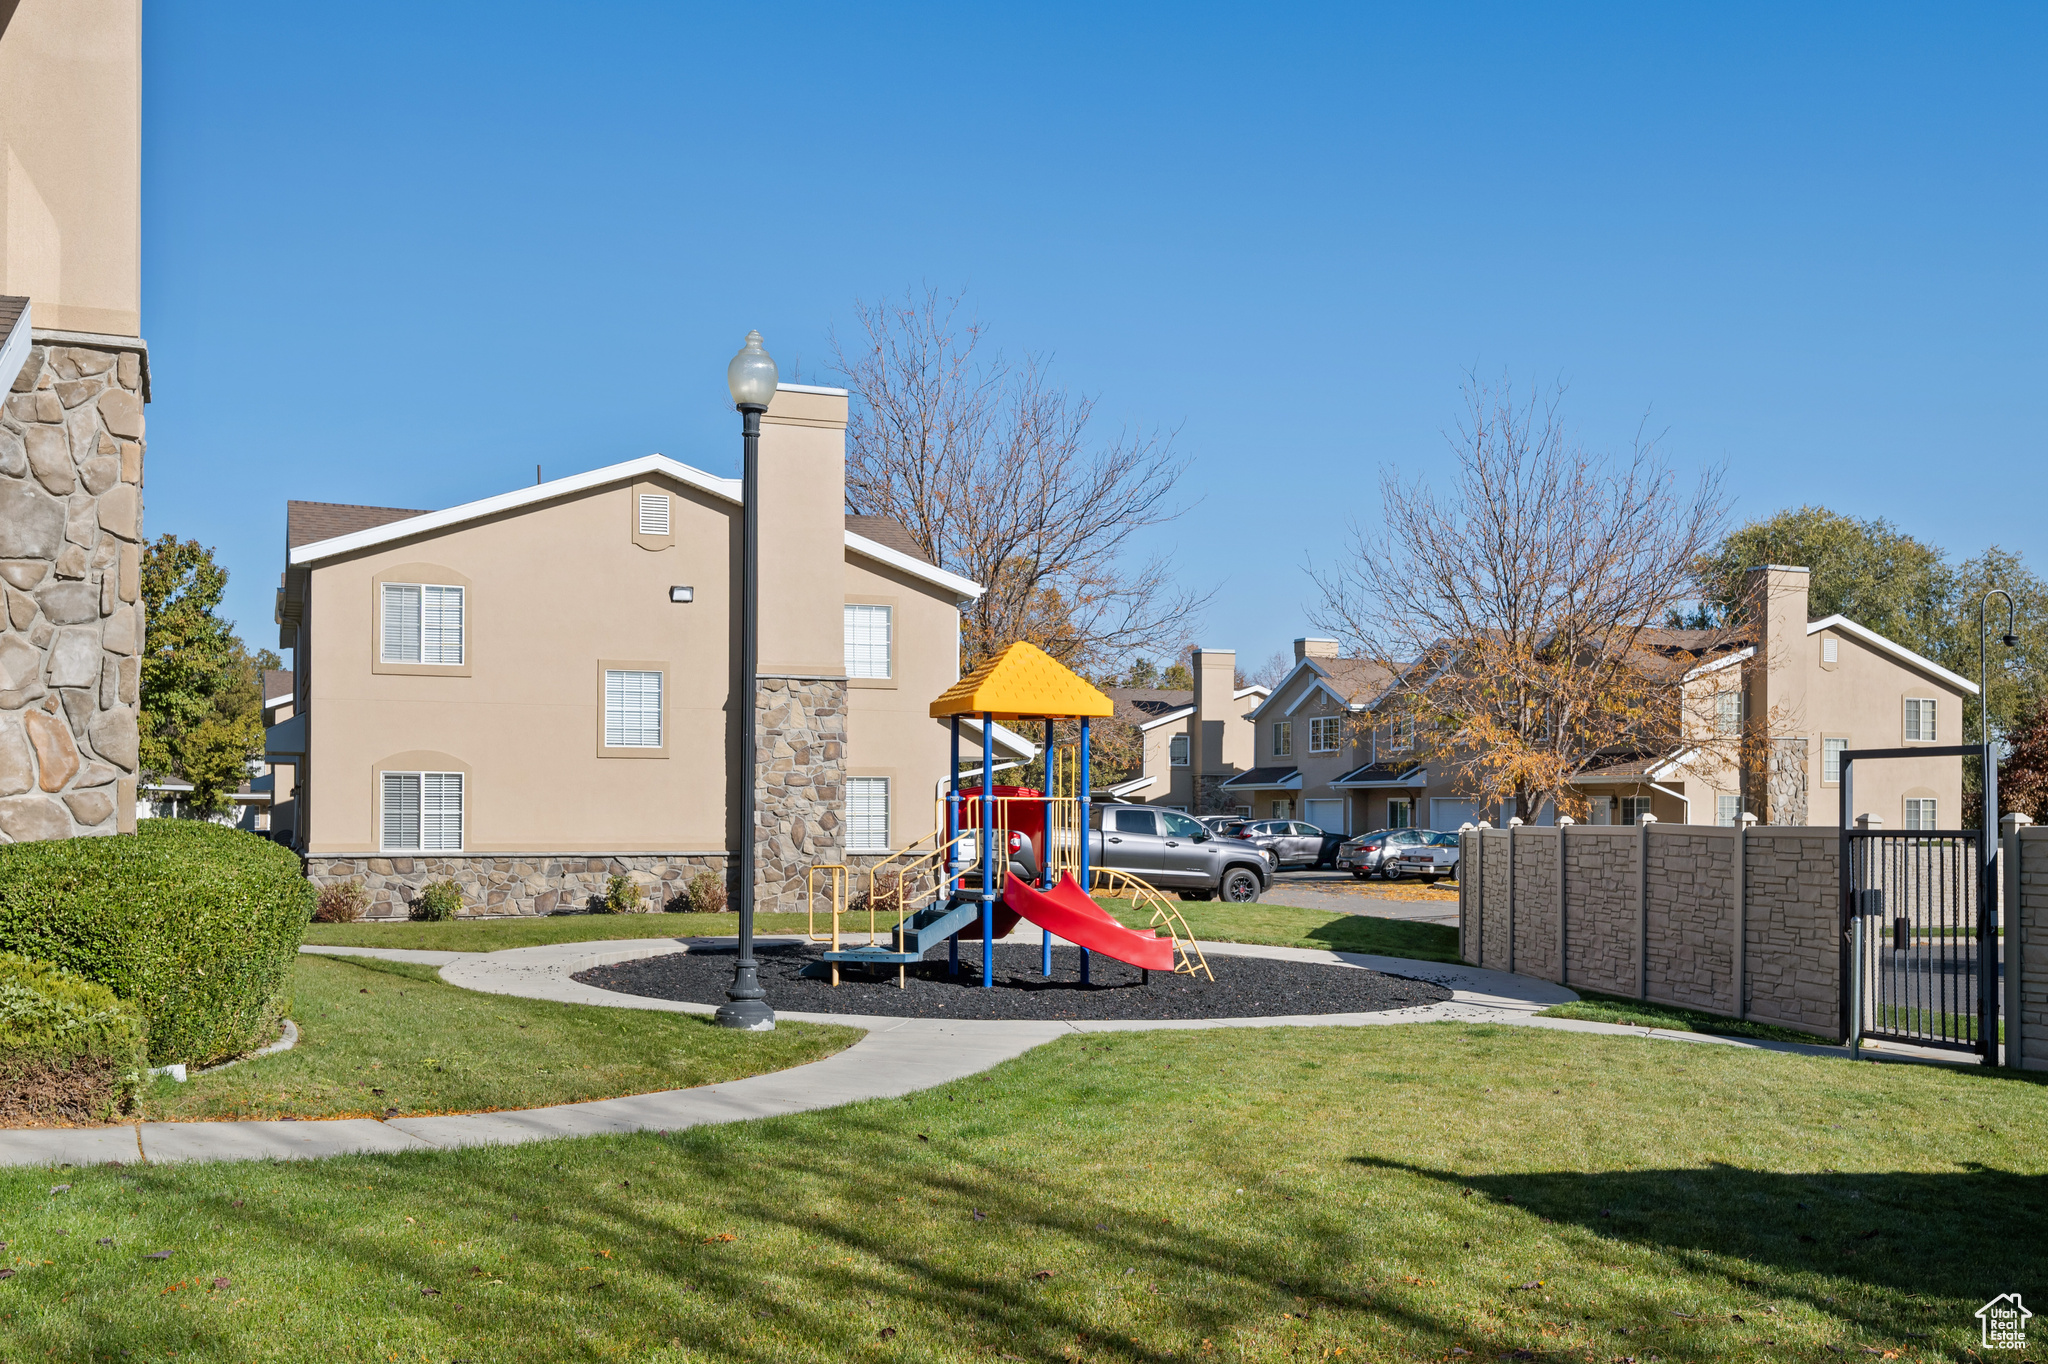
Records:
x=887, y=530
x=308, y=523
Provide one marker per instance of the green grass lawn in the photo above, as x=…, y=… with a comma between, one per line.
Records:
x=1396, y=1193
x=493, y=935
x=376, y=1036
x=1276, y=925
x=1594, y=1007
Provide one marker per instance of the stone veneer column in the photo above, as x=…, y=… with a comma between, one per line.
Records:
x=71, y=557
x=799, y=785
x=1787, y=792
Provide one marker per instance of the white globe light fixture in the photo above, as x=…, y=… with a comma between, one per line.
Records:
x=751, y=375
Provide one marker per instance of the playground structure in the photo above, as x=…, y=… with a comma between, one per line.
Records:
x=1000, y=853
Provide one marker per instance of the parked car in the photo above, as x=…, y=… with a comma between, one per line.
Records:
x=1433, y=859
x=1376, y=853
x=1170, y=850
x=1218, y=825
x=1292, y=843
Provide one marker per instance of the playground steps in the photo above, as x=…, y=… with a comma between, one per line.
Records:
x=924, y=930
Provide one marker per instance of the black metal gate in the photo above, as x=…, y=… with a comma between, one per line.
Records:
x=1920, y=947
x=1923, y=946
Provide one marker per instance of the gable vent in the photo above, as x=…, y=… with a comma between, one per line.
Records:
x=654, y=513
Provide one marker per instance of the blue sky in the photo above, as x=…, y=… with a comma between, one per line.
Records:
x=399, y=254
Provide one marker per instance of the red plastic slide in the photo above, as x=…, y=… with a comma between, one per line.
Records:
x=1066, y=912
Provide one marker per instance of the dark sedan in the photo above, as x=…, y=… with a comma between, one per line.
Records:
x=1292, y=843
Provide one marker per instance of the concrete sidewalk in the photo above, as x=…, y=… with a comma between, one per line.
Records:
x=896, y=1056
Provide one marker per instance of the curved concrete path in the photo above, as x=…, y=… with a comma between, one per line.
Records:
x=896, y=1056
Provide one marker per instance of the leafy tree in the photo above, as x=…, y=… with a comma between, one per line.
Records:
x=1870, y=571
x=202, y=691
x=1177, y=677
x=1142, y=674
x=2023, y=776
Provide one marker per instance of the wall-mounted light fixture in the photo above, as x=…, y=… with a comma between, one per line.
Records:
x=682, y=594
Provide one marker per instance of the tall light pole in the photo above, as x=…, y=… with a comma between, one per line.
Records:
x=1989, y=953
x=751, y=376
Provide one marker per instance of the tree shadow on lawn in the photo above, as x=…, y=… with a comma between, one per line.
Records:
x=1902, y=1236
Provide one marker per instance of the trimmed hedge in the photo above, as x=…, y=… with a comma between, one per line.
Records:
x=69, y=1050
x=194, y=924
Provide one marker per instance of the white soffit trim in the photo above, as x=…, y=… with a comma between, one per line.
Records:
x=1256, y=689
x=727, y=489
x=1725, y=661
x=809, y=388
x=14, y=348
x=1007, y=739
x=1326, y=689
x=1130, y=787
x=1898, y=651
x=1675, y=763
x=1281, y=686
x=1183, y=713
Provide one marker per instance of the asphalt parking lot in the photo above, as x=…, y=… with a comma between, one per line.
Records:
x=1339, y=892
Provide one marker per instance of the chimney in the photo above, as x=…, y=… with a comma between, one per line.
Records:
x=1314, y=648
x=1776, y=690
x=1213, y=756
x=803, y=532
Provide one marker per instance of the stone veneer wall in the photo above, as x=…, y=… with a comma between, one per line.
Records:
x=1792, y=944
x=1603, y=881
x=800, y=785
x=1536, y=901
x=71, y=441
x=1787, y=782
x=2030, y=918
x=517, y=883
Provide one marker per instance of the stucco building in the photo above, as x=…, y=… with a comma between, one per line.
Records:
x=75, y=372
x=1193, y=739
x=531, y=692
x=1333, y=749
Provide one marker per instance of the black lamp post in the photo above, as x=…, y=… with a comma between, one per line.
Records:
x=1987, y=882
x=751, y=376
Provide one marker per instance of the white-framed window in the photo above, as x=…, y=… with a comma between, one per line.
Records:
x=1400, y=814
x=1633, y=808
x=1727, y=713
x=1177, y=750
x=867, y=814
x=1920, y=813
x=422, y=811
x=1283, y=809
x=1325, y=732
x=422, y=624
x=1243, y=811
x=653, y=514
x=1283, y=739
x=1401, y=734
x=1831, y=751
x=867, y=640
x=1830, y=649
x=1920, y=719
x=1727, y=811
x=632, y=708
x=1600, y=811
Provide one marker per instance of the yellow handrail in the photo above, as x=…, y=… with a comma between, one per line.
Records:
x=836, y=877
x=1188, y=958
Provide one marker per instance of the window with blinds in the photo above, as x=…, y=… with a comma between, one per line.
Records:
x=1727, y=811
x=1728, y=713
x=422, y=623
x=1831, y=751
x=867, y=640
x=1919, y=720
x=1920, y=814
x=867, y=814
x=632, y=708
x=654, y=513
x=1177, y=750
x=422, y=811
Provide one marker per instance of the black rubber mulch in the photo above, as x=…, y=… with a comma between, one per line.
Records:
x=1245, y=987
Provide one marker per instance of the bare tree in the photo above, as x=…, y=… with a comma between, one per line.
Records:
x=1519, y=608
x=992, y=470
x=1269, y=673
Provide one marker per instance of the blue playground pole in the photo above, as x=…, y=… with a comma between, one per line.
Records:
x=1045, y=857
x=988, y=856
x=952, y=849
x=1084, y=832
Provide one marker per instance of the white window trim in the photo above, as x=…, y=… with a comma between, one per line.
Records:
x=1283, y=739
x=1727, y=713
x=660, y=687
x=888, y=798
x=1933, y=719
x=1178, y=751
x=1933, y=820
x=461, y=812
x=1332, y=725
x=384, y=597
x=1727, y=811
x=888, y=640
x=1842, y=746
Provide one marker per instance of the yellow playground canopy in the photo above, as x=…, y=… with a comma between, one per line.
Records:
x=1023, y=682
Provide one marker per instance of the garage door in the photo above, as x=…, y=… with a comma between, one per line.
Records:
x=1327, y=815
x=1447, y=815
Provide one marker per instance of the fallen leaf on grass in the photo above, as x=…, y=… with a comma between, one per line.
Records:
x=221, y=1282
x=6, y=1273
x=1525, y=1287
x=56, y=1189
x=980, y=1216
x=1736, y=1318
x=106, y=1240
x=922, y=1137
x=886, y=1333
x=430, y=1292
x=1043, y=1274
x=158, y=1255
x=722, y=1236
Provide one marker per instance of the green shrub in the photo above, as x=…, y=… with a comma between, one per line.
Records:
x=707, y=892
x=343, y=902
x=622, y=895
x=438, y=900
x=69, y=1050
x=193, y=924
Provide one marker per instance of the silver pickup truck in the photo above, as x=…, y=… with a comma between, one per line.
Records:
x=1170, y=850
